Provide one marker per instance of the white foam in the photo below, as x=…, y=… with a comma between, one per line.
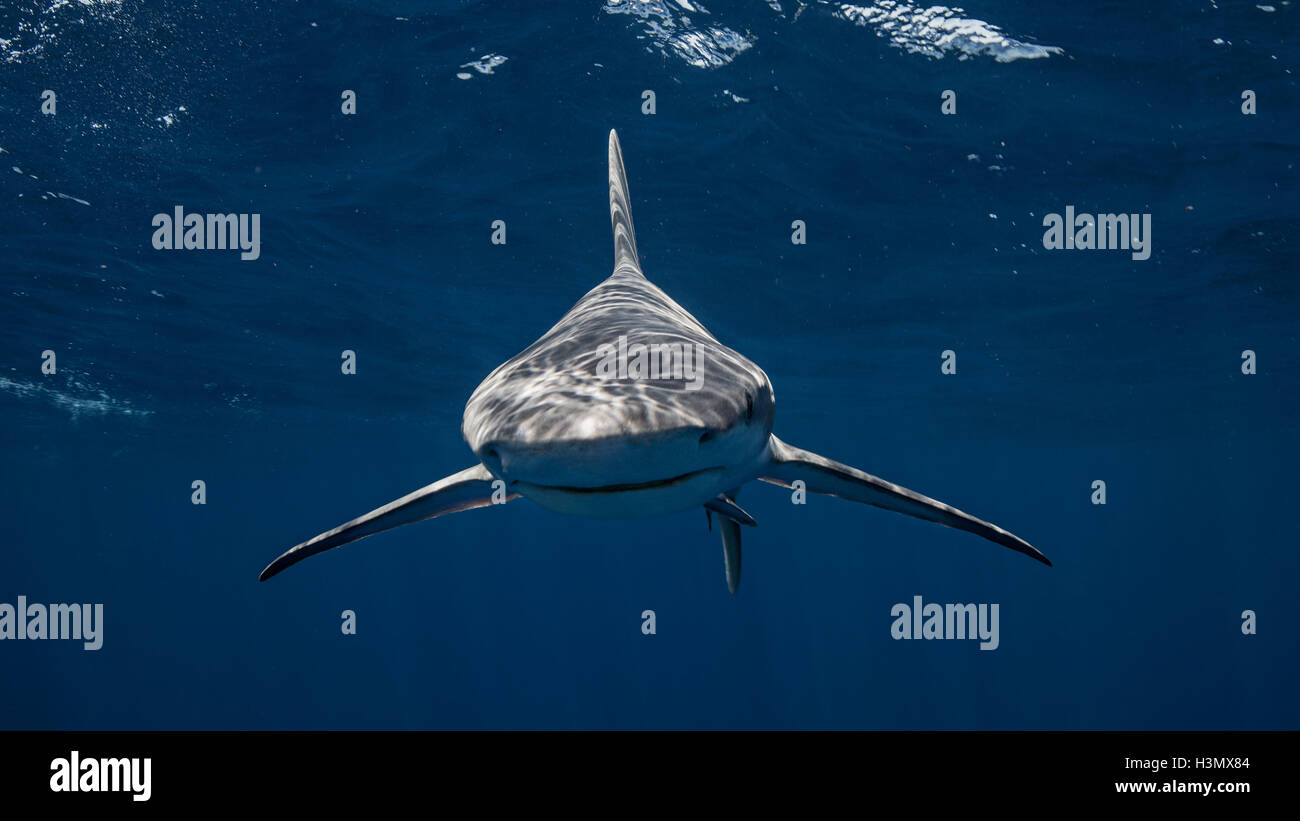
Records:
x=932, y=31
x=483, y=65
x=673, y=33
x=85, y=400
x=937, y=30
x=38, y=27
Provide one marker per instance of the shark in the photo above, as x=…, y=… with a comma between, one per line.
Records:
x=565, y=426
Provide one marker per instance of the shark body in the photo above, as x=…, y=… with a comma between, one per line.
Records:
x=556, y=425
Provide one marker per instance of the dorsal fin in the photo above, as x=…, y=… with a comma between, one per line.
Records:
x=620, y=213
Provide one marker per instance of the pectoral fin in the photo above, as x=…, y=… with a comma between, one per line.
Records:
x=821, y=475
x=468, y=489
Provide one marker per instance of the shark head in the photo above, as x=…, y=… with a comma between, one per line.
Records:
x=627, y=406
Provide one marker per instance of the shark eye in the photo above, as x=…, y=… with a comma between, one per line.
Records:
x=749, y=407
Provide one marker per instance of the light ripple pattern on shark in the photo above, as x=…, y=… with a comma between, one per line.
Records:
x=549, y=425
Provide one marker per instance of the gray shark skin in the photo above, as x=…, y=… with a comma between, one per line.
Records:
x=553, y=426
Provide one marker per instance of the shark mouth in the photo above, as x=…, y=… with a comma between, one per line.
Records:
x=623, y=488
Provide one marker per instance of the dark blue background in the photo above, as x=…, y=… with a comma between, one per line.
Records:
x=1073, y=366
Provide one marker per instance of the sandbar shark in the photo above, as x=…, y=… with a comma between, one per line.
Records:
x=558, y=425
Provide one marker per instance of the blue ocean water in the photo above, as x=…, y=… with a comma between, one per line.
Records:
x=924, y=234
